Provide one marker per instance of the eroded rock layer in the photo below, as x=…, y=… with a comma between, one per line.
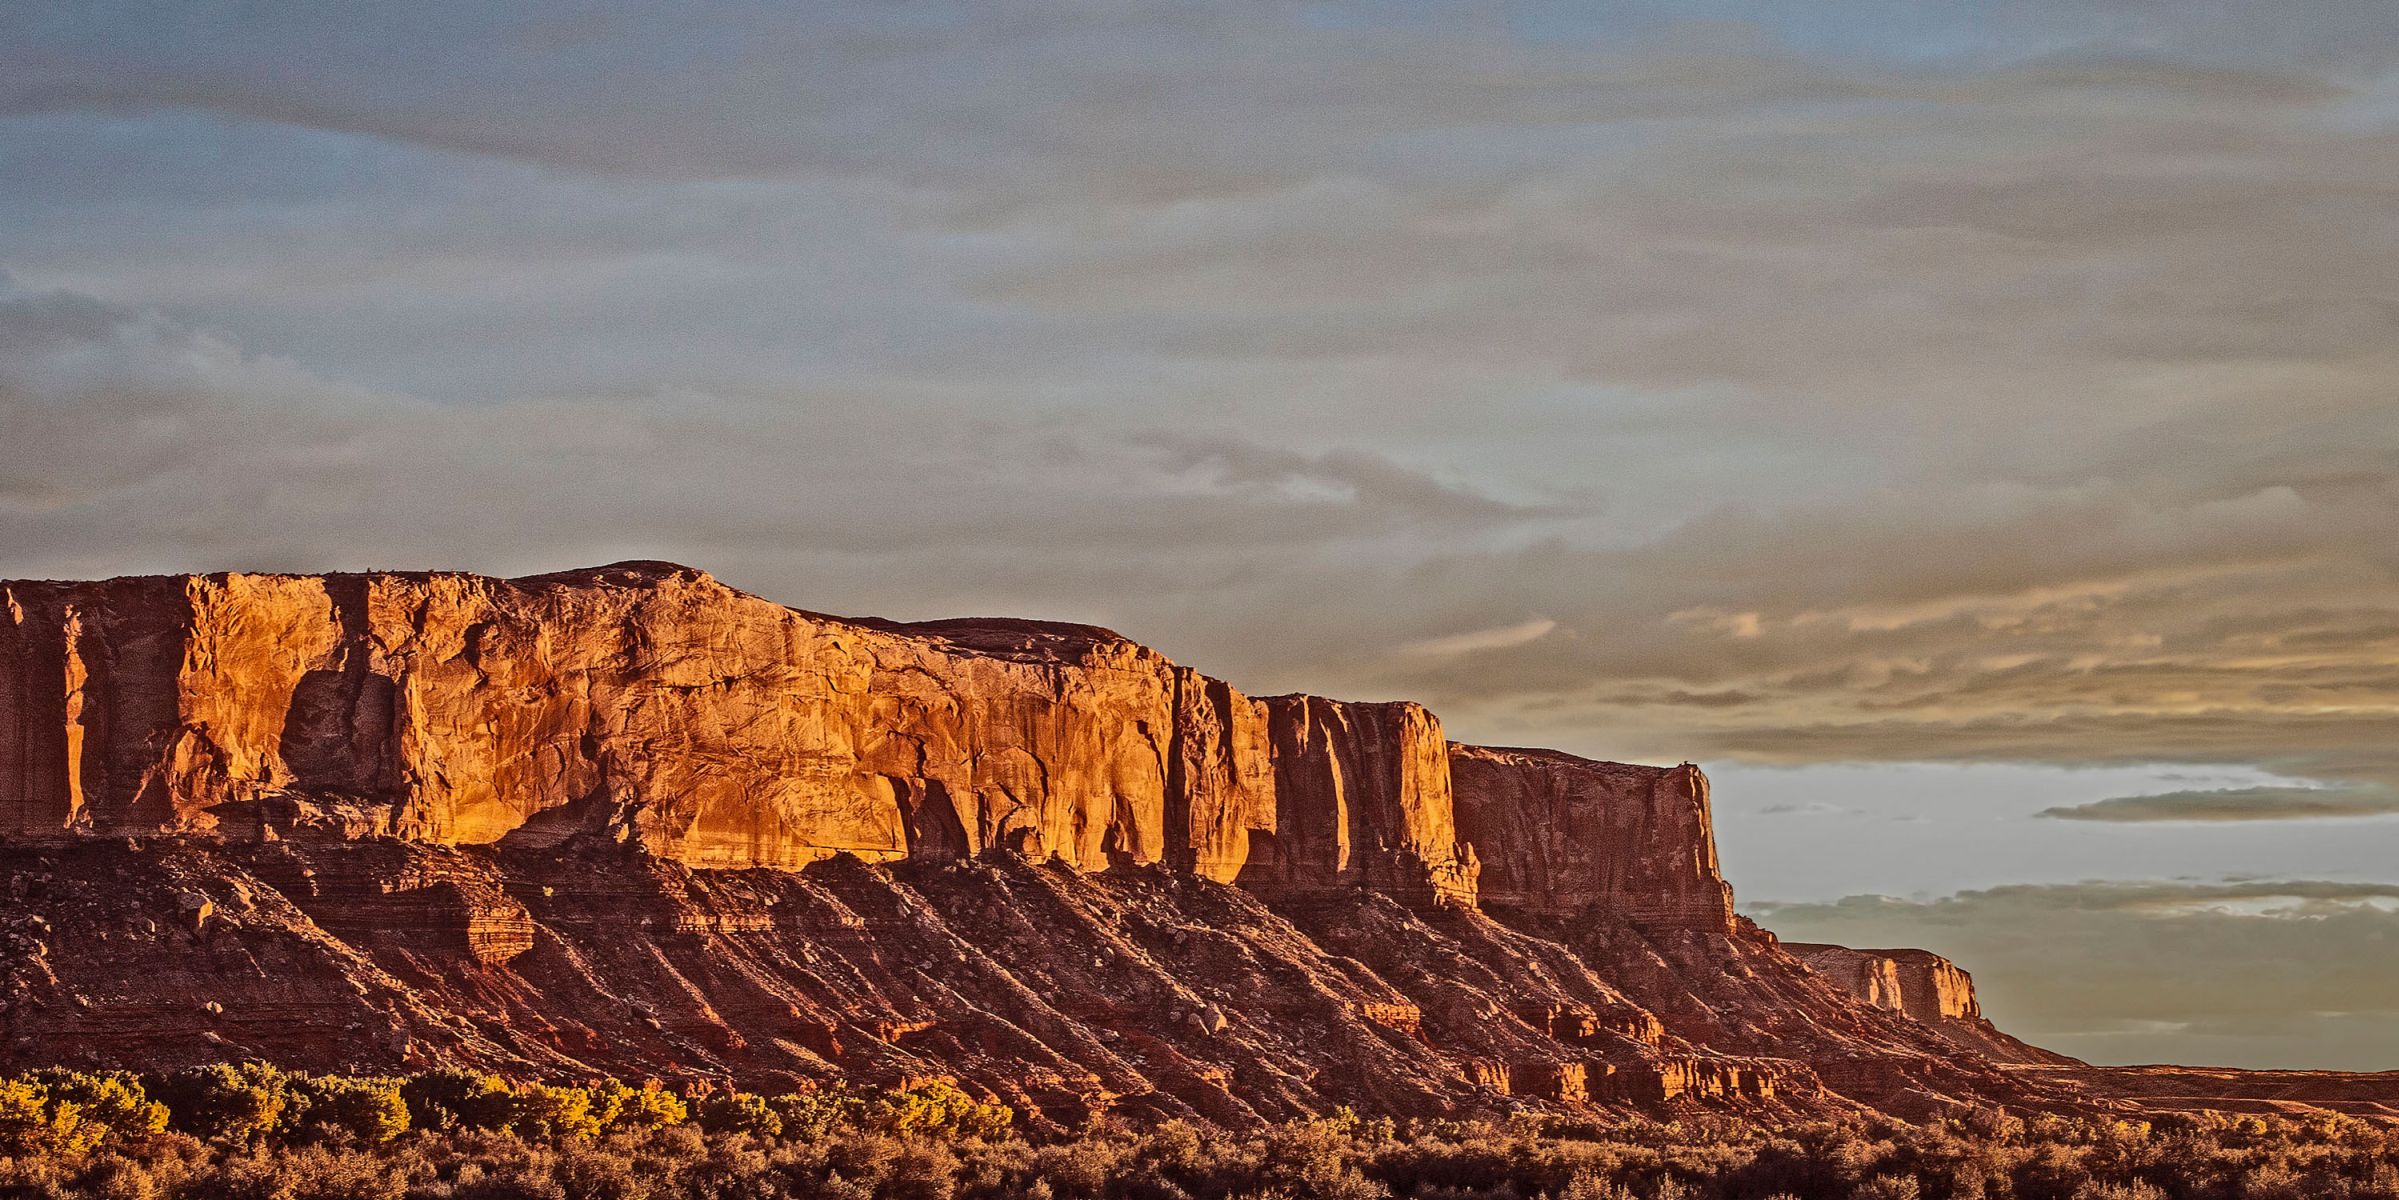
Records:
x=631, y=820
x=1935, y=991
x=1143, y=990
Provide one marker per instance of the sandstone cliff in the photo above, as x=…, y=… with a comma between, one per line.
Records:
x=1559, y=835
x=1925, y=986
x=721, y=729
x=413, y=818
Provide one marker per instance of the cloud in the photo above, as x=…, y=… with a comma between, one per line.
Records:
x=1955, y=386
x=2236, y=804
x=1345, y=476
x=2254, y=973
x=1884, y=382
x=1813, y=808
x=198, y=454
x=1497, y=638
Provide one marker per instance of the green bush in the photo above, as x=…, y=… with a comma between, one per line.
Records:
x=738, y=1112
x=115, y=1100
x=236, y=1102
x=35, y=1123
x=370, y=1110
x=937, y=1109
x=458, y=1100
x=541, y=1112
x=646, y=1107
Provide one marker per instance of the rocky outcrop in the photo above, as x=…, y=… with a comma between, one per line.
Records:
x=1933, y=990
x=408, y=819
x=720, y=729
x=1560, y=835
x=1919, y=983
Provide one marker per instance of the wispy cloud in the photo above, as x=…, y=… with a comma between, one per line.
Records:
x=2237, y=804
x=1811, y=808
x=1496, y=638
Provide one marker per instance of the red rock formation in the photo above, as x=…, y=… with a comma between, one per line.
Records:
x=1919, y=983
x=493, y=822
x=458, y=709
x=1925, y=986
x=1143, y=990
x=722, y=729
x=1559, y=835
x=1362, y=799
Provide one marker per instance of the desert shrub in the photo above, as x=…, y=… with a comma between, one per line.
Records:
x=737, y=1112
x=813, y=1115
x=601, y=1173
x=114, y=1176
x=2274, y=1181
x=369, y=1110
x=517, y=1182
x=920, y=1171
x=304, y=1173
x=34, y=1123
x=1075, y=1170
x=1593, y=1187
x=71, y=1135
x=2380, y=1182
x=235, y=1102
x=649, y=1106
x=458, y=1100
x=732, y=1167
x=544, y=1112
x=1888, y=1187
x=114, y=1100
x=935, y=1109
x=2133, y=1190
x=320, y=1173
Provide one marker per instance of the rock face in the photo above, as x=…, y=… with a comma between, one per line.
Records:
x=1923, y=985
x=719, y=728
x=1559, y=835
x=1919, y=983
x=412, y=819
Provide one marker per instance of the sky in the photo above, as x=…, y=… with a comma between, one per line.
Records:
x=1971, y=431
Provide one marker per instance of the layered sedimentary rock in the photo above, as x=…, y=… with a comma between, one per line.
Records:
x=1933, y=990
x=400, y=819
x=1561, y=835
x=1919, y=983
x=1141, y=990
x=720, y=728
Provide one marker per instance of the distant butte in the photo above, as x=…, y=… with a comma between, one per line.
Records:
x=628, y=819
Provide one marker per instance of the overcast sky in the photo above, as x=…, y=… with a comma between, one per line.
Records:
x=1970, y=430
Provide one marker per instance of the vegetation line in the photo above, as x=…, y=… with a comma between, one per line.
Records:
x=253, y=1132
